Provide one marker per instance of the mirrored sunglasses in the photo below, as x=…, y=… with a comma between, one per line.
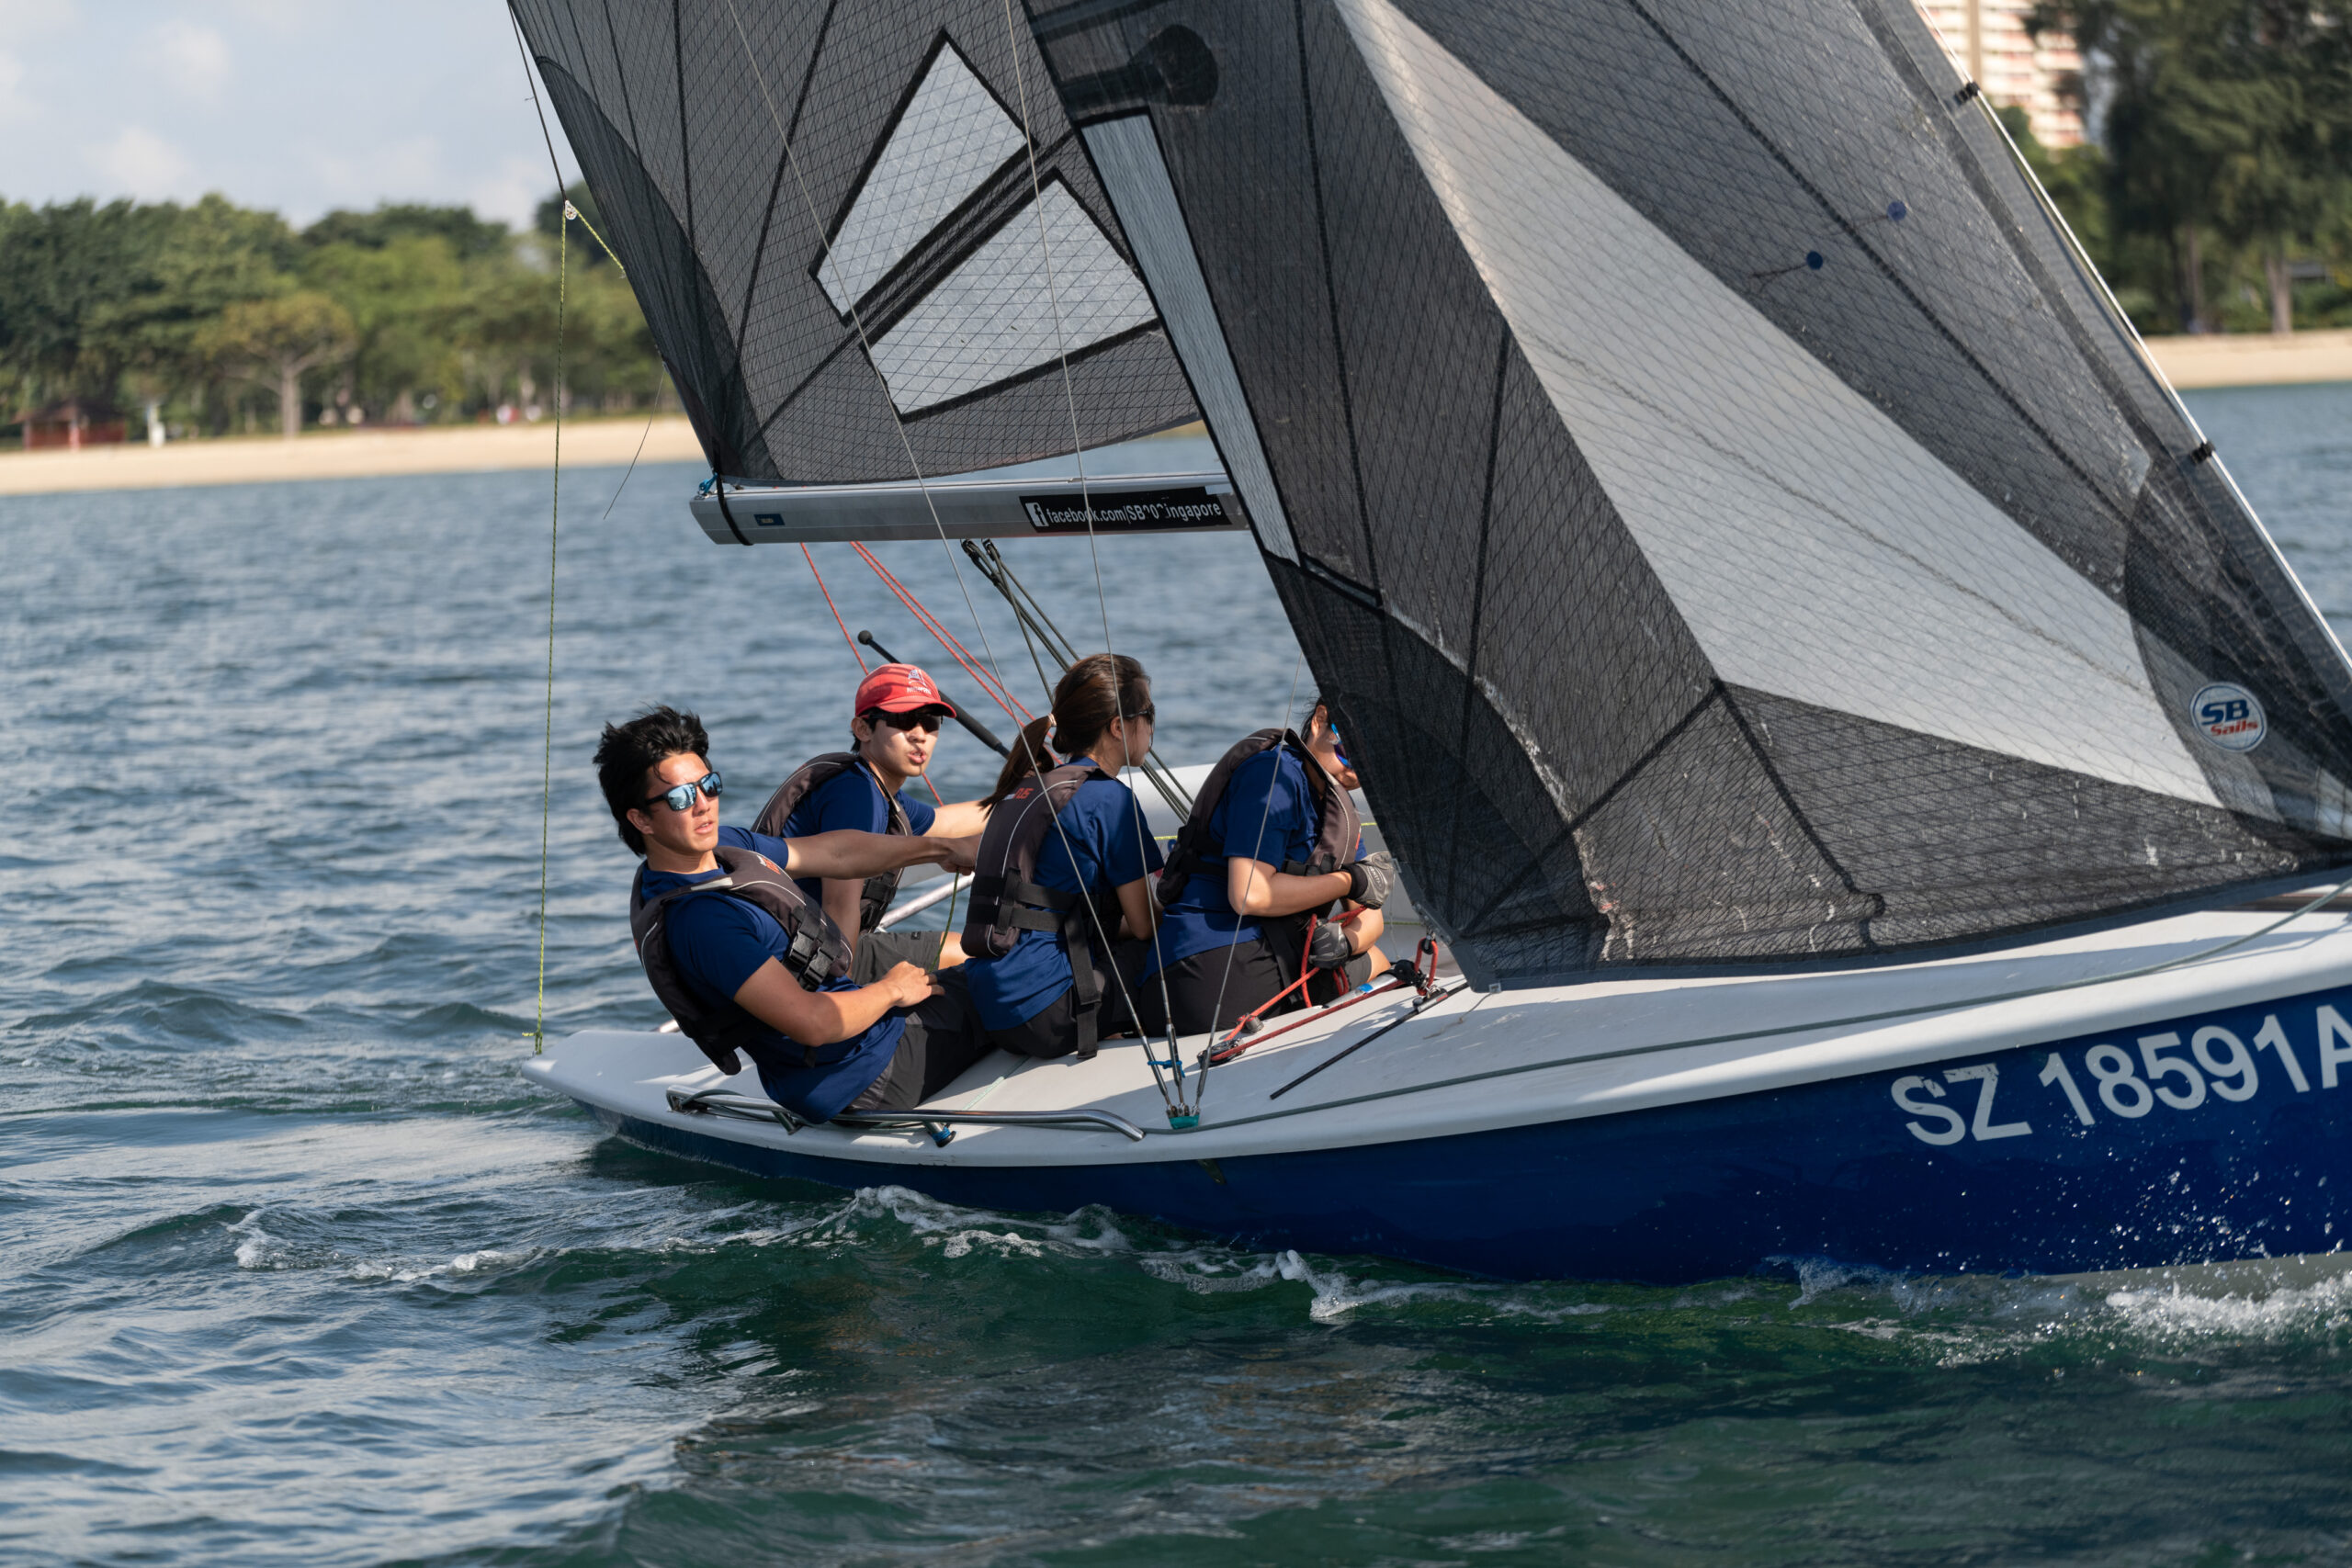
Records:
x=682, y=798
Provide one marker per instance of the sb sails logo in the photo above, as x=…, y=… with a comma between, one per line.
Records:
x=2229, y=715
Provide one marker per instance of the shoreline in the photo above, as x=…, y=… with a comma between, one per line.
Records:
x=360, y=453
x=2253, y=359
x=2191, y=364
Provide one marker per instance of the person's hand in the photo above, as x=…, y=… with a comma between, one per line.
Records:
x=1370, y=879
x=959, y=855
x=1331, y=948
x=908, y=985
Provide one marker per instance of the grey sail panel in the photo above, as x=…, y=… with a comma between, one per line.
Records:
x=886, y=288
x=1690, y=601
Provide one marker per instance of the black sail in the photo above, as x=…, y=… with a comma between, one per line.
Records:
x=1732, y=520
x=877, y=305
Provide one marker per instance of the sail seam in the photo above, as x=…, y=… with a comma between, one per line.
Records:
x=775, y=185
x=620, y=76
x=1331, y=297
x=1854, y=236
x=1569, y=831
x=1478, y=595
x=1796, y=815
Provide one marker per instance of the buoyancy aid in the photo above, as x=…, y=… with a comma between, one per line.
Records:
x=817, y=952
x=1196, y=853
x=1008, y=900
x=813, y=776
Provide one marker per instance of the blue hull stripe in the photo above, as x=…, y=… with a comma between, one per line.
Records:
x=2199, y=1147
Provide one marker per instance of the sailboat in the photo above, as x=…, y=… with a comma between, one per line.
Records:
x=1885, y=792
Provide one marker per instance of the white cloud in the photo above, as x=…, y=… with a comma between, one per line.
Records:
x=140, y=163
x=193, y=59
x=513, y=190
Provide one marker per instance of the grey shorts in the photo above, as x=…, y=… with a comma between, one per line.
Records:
x=877, y=951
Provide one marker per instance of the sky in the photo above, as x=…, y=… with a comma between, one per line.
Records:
x=298, y=106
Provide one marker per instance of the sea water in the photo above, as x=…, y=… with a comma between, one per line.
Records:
x=294, y=1269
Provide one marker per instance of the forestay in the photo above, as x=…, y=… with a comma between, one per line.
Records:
x=1732, y=520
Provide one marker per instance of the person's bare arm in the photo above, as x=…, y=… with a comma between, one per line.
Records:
x=821, y=1018
x=958, y=819
x=1253, y=887
x=845, y=852
x=1139, y=913
x=843, y=900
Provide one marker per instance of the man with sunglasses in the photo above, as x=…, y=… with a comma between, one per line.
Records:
x=894, y=726
x=752, y=964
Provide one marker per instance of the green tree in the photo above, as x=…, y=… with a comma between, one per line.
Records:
x=467, y=235
x=405, y=299
x=275, y=342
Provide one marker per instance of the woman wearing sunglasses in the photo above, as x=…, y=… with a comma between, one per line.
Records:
x=1252, y=864
x=894, y=726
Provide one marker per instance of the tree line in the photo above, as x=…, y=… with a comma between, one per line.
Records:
x=220, y=319
x=2219, y=195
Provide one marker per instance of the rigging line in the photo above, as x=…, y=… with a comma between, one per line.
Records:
x=1031, y=615
x=1289, y=705
x=930, y=502
x=1093, y=546
x=837, y=615
x=994, y=690
x=555, y=520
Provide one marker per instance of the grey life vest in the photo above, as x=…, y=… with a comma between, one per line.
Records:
x=817, y=952
x=815, y=775
x=1007, y=899
x=1196, y=853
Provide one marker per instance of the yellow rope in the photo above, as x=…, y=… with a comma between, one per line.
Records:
x=555, y=515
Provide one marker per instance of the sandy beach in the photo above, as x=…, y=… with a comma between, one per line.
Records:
x=360, y=454
x=2254, y=359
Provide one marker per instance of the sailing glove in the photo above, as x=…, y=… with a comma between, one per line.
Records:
x=1329, y=948
x=1370, y=879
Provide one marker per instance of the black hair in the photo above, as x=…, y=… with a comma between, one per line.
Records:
x=629, y=750
x=1090, y=693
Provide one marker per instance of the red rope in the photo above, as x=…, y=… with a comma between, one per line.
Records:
x=995, y=690
x=829, y=605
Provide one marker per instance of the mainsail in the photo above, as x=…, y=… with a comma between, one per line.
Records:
x=808, y=194
x=1732, y=520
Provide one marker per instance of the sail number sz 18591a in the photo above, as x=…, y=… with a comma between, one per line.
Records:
x=2172, y=1069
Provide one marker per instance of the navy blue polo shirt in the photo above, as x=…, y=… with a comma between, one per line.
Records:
x=718, y=942
x=1099, y=843
x=853, y=799
x=1269, y=813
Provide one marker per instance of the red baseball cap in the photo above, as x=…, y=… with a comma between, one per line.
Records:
x=898, y=688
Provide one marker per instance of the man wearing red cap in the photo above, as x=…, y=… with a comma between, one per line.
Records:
x=894, y=720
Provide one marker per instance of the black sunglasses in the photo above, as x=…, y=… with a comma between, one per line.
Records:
x=682, y=798
x=925, y=720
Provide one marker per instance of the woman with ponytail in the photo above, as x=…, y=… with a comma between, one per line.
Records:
x=1089, y=857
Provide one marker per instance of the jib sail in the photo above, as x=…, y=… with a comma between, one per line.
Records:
x=1731, y=519
x=874, y=304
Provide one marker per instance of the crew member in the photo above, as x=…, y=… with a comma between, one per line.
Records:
x=748, y=963
x=1061, y=893
x=1273, y=849
x=894, y=726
